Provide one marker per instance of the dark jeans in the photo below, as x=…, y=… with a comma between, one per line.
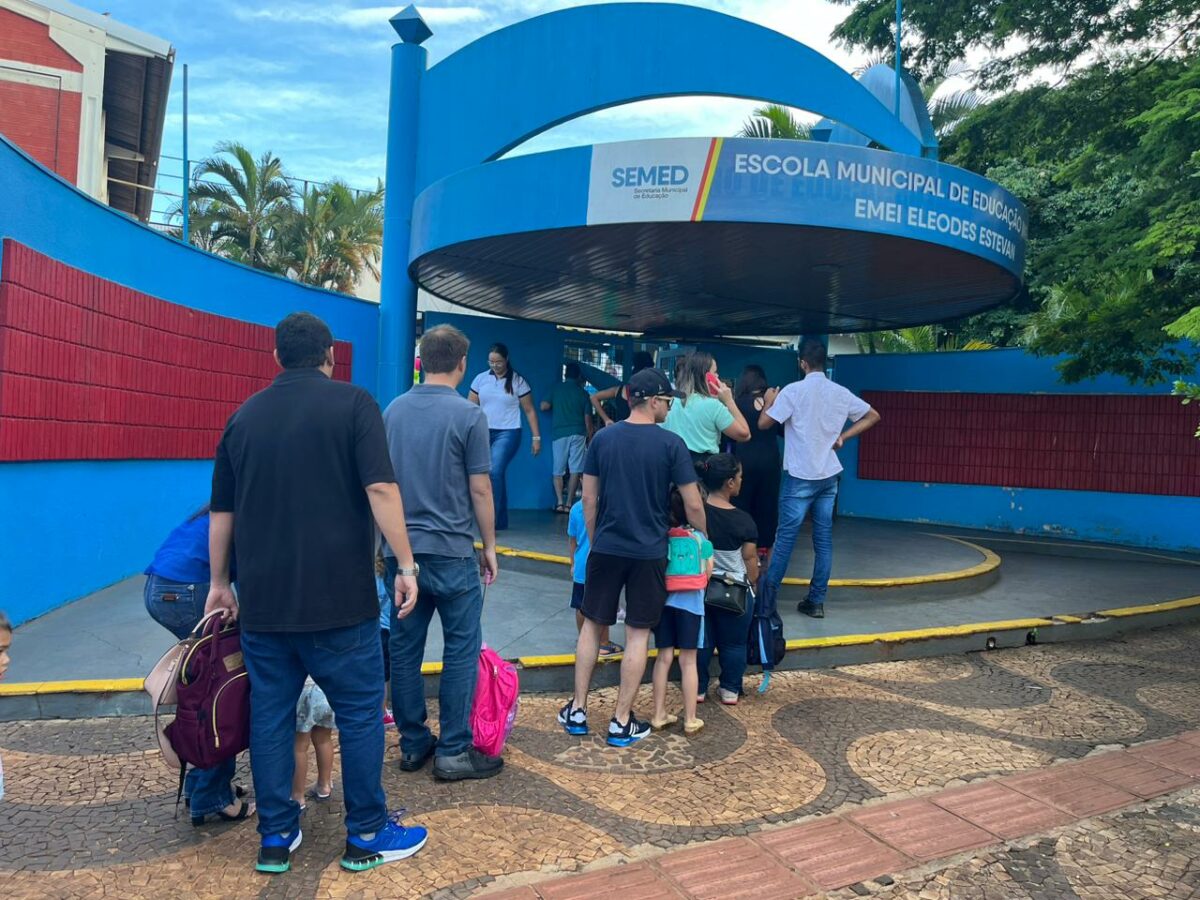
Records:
x=347, y=664
x=730, y=635
x=178, y=607
x=450, y=586
x=795, y=499
x=504, y=443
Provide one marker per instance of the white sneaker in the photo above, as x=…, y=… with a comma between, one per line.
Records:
x=729, y=698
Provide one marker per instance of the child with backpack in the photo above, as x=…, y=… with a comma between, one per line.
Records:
x=578, y=547
x=314, y=725
x=689, y=565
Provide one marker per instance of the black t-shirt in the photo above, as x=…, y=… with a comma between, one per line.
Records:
x=728, y=530
x=763, y=446
x=636, y=465
x=291, y=467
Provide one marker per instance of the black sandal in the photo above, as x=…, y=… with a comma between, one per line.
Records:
x=244, y=812
x=238, y=793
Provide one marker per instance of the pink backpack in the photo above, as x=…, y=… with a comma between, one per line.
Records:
x=496, y=700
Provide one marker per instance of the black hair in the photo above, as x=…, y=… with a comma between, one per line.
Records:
x=753, y=380
x=642, y=360
x=717, y=469
x=571, y=371
x=202, y=511
x=442, y=349
x=678, y=512
x=692, y=374
x=501, y=350
x=302, y=340
x=814, y=353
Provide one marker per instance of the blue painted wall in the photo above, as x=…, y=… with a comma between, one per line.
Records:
x=70, y=528
x=1142, y=520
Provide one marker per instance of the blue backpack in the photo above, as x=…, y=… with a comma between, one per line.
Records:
x=767, y=643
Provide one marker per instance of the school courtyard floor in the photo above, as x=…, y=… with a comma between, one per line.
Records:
x=1082, y=760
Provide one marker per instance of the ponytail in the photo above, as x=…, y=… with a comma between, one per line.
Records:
x=502, y=350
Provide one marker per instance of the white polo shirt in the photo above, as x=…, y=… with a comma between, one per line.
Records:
x=813, y=413
x=503, y=410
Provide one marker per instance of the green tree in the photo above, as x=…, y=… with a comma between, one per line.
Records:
x=1020, y=35
x=243, y=208
x=1187, y=327
x=332, y=237
x=775, y=121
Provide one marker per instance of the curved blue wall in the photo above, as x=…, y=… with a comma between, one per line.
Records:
x=70, y=528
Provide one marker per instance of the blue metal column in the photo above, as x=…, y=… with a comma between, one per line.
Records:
x=398, y=292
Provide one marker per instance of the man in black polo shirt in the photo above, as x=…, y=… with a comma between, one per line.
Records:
x=301, y=476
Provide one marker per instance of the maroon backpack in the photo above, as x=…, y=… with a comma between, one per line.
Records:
x=212, y=712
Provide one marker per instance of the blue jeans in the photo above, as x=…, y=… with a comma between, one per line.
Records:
x=347, y=664
x=177, y=607
x=451, y=586
x=795, y=499
x=729, y=634
x=504, y=443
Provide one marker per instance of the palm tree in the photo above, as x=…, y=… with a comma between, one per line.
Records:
x=917, y=339
x=244, y=212
x=945, y=111
x=775, y=121
x=332, y=237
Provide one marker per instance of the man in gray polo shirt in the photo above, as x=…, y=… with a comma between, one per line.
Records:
x=439, y=447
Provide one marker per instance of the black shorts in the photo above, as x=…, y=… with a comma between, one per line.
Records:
x=678, y=628
x=643, y=580
x=385, y=638
x=576, y=595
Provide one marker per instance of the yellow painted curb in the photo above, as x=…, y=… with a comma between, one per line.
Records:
x=990, y=562
x=1126, y=611
x=121, y=685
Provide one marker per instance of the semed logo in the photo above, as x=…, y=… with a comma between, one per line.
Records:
x=652, y=176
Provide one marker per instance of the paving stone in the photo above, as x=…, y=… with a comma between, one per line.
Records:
x=832, y=852
x=1182, y=756
x=1135, y=774
x=1004, y=812
x=640, y=881
x=732, y=869
x=1071, y=790
x=1192, y=737
x=519, y=893
x=921, y=830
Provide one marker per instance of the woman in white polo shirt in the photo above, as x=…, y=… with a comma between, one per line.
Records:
x=504, y=395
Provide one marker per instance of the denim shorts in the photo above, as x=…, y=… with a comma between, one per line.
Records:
x=569, y=454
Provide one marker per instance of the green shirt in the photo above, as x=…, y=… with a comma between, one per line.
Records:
x=570, y=406
x=699, y=421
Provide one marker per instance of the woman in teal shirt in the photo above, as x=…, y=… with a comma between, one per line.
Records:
x=700, y=418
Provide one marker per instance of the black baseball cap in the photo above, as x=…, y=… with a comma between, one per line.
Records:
x=650, y=383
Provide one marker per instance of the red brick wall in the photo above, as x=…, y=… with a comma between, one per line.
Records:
x=44, y=122
x=90, y=369
x=1116, y=443
x=25, y=40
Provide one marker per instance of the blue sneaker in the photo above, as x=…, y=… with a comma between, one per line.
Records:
x=275, y=854
x=572, y=719
x=393, y=842
x=630, y=733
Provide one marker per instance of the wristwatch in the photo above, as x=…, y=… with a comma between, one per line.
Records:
x=412, y=573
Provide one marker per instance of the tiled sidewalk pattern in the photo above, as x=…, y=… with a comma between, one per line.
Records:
x=884, y=839
x=793, y=785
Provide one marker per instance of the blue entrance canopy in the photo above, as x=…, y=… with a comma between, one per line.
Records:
x=675, y=237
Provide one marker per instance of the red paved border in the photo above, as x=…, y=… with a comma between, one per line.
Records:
x=833, y=852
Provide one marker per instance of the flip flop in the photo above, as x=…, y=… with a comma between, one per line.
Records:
x=311, y=794
x=562, y=509
x=611, y=649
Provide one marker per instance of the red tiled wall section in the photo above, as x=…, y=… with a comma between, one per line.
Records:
x=93, y=370
x=24, y=40
x=1116, y=443
x=44, y=122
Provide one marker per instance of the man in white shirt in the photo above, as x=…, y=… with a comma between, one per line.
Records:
x=813, y=412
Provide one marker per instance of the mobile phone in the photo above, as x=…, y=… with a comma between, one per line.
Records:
x=714, y=383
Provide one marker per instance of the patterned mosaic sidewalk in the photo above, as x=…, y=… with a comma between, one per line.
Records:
x=89, y=809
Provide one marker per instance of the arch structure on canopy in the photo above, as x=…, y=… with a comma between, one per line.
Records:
x=859, y=229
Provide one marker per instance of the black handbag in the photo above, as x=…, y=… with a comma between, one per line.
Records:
x=727, y=593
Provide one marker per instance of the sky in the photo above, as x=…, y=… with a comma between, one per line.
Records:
x=309, y=81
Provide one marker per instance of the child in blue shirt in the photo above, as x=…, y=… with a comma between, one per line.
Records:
x=689, y=565
x=578, y=547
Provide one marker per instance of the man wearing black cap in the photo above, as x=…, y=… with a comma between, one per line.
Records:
x=627, y=481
